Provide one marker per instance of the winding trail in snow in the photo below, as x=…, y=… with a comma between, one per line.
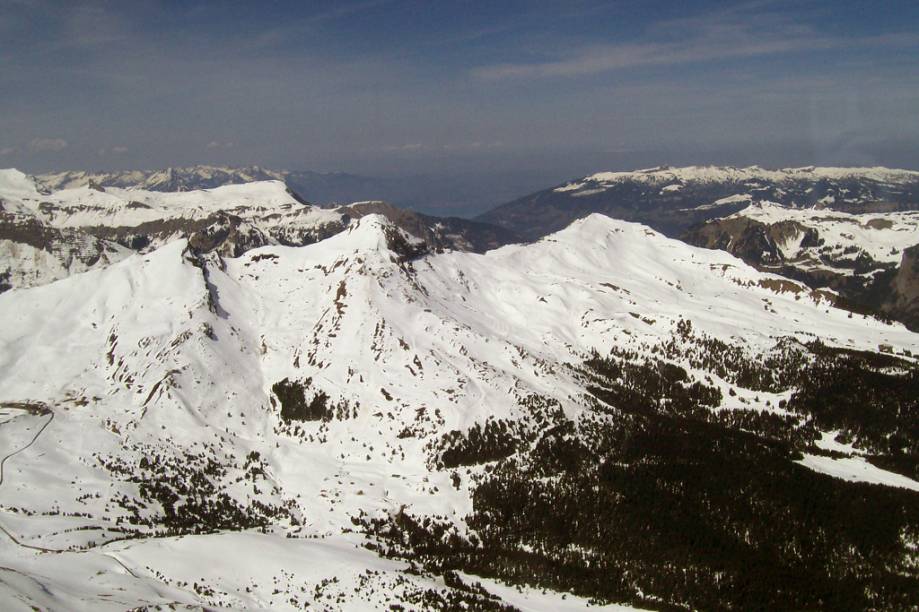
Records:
x=37, y=410
x=40, y=410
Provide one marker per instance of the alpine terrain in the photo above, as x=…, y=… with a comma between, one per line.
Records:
x=847, y=231
x=226, y=397
x=672, y=200
x=46, y=234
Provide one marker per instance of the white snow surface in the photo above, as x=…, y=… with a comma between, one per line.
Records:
x=152, y=350
x=882, y=236
x=158, y=179
x=16, y=185
x=265, y=207
x=665, y=175
x=857, y=469
x=85, y=206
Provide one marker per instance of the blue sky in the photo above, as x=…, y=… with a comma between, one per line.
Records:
x=544, y=89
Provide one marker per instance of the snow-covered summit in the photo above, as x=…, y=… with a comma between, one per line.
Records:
x=15, y=184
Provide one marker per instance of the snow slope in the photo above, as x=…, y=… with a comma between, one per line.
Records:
x=666, y=175
x=167, y=362
x=113, y=206
x=169, y=179
x=46, y=236
x=881, y=236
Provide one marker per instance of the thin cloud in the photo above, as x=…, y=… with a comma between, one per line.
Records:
x=113, y=151
x=608, y=58
x=54, y=145
x=284, y=34
x=409, y=147
x=417, y=147
x=729, y=35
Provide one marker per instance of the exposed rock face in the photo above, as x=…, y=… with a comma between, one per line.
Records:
x=34, y=253
x=733, y=236
x=753, y=241
x=439, y=233
x=856, y=256
x=903, y=301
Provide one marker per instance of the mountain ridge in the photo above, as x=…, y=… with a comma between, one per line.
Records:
x=45, y=233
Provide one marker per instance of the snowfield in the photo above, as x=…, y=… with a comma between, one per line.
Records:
x=672, y=178
x=126, y=207
x=882, y=236
x=173, y=359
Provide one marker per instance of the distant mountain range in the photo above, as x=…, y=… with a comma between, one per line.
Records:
x=55, y=225
x=434, y=194
x=320, y=188
x=672, y=200
x=869, y=260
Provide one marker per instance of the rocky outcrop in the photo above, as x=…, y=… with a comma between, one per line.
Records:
x=440, y=233
x=34, y=253
x=902, y=303
x=860, y=283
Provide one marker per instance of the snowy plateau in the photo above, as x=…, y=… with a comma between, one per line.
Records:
x=227, y=398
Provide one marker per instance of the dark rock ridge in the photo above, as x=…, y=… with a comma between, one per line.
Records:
x=902, y=302
x=231, y=236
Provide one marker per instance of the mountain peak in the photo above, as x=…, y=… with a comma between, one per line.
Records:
x=14, y=182
x=376, y=233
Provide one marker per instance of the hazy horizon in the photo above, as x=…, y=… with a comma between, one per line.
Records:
x=511, y=98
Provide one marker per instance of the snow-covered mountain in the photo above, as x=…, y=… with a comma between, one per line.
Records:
x=323, y=188
x=233, y=417
x=674, y=199
x=46, y=235
x=869, y=259
x=189, y=178
x=437, y=194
